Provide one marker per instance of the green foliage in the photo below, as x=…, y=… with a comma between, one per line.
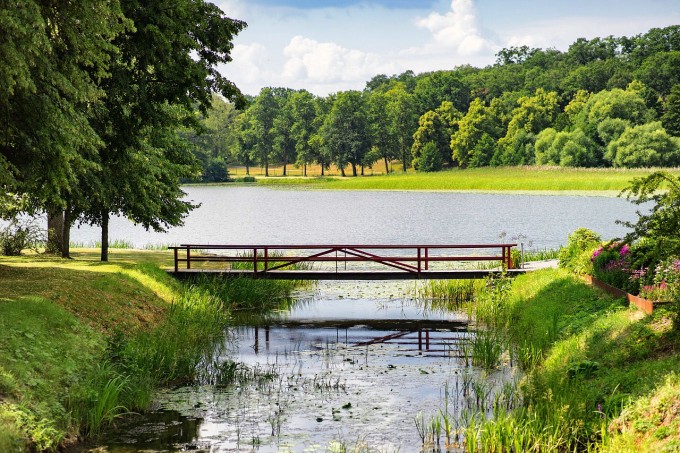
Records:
x=647, y=145
x=20, y=235
x=345, y=132
x=430, y=159
x=435, y=127
x=671, y=116
x=575, y=256
x=216, y=171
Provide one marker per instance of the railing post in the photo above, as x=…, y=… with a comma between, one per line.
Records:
x=176, y=261
x=188, y=257
x=419, y=264
x=427, y=256
x=254, y=261
x=266, y=259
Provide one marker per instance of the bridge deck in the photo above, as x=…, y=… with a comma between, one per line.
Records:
x=343, y=262
x=347, y=275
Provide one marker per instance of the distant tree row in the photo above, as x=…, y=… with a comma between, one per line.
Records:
x=604, y=102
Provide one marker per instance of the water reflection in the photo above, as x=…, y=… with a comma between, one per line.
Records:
x=335, y=368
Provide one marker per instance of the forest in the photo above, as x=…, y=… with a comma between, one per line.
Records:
x=605, y=102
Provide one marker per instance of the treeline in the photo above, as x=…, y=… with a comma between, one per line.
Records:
x=91, y=98
x=604, y=102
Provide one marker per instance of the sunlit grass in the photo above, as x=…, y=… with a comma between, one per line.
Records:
x=514, y=179
x=587, y=356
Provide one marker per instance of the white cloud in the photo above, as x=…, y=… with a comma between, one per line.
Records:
x=329, y=63
x=457, y=30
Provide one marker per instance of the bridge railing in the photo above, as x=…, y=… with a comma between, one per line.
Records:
x=407, y=258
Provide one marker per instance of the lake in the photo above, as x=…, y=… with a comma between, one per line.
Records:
x=259, y=215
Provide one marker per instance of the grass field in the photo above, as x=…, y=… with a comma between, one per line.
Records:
x=515, y=179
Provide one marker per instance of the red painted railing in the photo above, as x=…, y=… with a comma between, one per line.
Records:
x=407, y=258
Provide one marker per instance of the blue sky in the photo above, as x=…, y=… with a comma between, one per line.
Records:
x=327, y=46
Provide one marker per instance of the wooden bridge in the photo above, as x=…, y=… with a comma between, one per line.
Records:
x=345, y=262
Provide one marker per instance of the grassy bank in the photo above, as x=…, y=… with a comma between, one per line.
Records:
x=599, y=376
x=516, y=179
x=82, y=342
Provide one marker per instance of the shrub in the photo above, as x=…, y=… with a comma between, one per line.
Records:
x=20, y=235
x=430, y=159
x=577, y=253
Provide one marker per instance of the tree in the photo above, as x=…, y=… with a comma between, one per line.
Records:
x=671, y=115
x=478, y=122
x=435, y=127
x=244, y=147
x=262, y=113
x=214, y=142
x=530, y=117
x=284, y=141
x=345, y=131
x=430, y=158
x=403, y=119
x=440, y=86
x=163, y=67
x=303, y=110
x=383, y=137
x=52, y=56
x=647, y=145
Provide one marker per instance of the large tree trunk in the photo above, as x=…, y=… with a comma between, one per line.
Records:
x=362, y=169
x=247, y=170
x=387, y=168
x=105, y=235
x=284, y=167
x=266, y=167
x=342, y=171
x=322, y=170
x=66, y=236
x=403, y=161
x=354, y=169
x=304, y=169
x=55, y=232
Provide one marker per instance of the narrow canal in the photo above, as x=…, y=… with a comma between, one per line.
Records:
x=351, y=364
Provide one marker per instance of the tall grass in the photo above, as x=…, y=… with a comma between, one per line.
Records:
x=584, y=354
x=119, y=244
x=447, y=295
x=182, y=350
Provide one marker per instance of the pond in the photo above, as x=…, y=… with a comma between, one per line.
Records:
x=351, y=364
x=260, y=215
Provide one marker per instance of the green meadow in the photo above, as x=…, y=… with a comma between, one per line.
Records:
x=513, y=179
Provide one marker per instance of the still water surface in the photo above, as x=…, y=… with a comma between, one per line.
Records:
x=242, y=215
x=350, y=364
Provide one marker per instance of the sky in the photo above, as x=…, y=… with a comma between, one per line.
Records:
x=327, y=46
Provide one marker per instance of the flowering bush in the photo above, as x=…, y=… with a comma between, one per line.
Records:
x=612, y=265
x=666, y=281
